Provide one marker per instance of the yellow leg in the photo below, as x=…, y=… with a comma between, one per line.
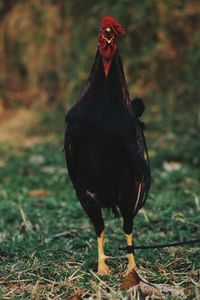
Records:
x=131, y=259
x=102, y=267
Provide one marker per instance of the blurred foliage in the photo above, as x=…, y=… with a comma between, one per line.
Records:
x=47, y=49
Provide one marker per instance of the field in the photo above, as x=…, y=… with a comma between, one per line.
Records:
x=38, y=203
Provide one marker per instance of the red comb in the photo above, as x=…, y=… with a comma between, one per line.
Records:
x=109, y=21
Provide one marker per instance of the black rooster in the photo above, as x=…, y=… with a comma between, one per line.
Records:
x=104, y=143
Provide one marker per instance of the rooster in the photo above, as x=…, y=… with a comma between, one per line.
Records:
x=104, y=144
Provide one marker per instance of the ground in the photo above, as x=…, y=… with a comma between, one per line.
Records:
x=38, y=203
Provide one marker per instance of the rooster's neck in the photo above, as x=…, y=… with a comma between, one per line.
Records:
x=106, y=66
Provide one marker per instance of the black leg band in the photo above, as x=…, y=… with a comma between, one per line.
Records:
x=130, y=249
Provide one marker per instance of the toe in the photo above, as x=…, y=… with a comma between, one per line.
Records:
x=103, y=270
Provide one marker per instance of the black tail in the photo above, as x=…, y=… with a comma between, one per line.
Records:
x=138, y=107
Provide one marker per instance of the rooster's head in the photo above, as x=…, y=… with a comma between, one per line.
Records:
x=108, y=34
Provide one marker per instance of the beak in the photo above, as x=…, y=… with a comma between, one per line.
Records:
x=108, y=35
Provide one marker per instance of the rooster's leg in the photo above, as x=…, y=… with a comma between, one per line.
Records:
x=127, y=214
x=102, y=267
x=94, y=213
x=131, y=258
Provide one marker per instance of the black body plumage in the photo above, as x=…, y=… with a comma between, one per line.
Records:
x=105, y=147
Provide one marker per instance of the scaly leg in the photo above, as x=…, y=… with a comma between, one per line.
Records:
x=102, y=267
x=131, y=259
x=94, y=212
x=127, y=214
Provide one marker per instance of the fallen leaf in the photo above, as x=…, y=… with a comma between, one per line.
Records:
x=157, y=291
x=131, y=280
x=38, y=193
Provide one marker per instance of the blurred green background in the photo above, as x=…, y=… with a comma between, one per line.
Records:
x=46, y=52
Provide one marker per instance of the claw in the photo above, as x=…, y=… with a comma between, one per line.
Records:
x=103, y=269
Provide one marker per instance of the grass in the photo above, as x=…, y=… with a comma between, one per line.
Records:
x=38, y=202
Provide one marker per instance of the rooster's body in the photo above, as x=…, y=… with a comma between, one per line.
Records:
x=105, y=148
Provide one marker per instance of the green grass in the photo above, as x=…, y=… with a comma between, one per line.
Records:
x=35, y=265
